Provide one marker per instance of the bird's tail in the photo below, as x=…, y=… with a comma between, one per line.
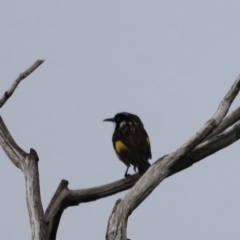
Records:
x=142, y=165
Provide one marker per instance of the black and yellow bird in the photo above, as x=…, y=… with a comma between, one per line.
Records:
x=131, y=142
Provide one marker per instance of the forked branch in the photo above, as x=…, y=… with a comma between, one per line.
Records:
x=64, y=197
x=117, y=224
x=22, y=76
x=28, y=163
x=207, y=141
x=228, y=121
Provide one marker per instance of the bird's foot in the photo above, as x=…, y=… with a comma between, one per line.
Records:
x=127, y=175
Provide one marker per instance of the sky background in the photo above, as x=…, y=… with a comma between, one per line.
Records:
x=169, y=62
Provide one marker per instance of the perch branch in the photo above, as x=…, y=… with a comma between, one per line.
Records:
x=44, y=226
x=64, y=197
x=22, y=76
x=117, y=225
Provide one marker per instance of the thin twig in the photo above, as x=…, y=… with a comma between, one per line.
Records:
x=22, y=76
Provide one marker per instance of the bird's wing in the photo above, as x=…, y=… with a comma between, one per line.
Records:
x=136, y=144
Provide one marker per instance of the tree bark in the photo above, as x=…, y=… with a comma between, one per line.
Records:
x=216, y=134
x=117, y=225
x=28, y=163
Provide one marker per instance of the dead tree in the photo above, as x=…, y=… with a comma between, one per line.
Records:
x=217, y=133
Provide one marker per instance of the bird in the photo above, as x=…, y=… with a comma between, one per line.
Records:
x=131, y=142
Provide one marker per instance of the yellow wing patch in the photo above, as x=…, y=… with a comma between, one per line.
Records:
x=148, y=141
x=120, y=146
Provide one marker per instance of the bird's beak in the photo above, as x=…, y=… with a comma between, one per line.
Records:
x=108, y=120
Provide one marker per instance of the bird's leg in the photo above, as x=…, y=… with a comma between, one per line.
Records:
x=126, y=173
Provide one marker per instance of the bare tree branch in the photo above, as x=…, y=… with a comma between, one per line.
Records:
x=226, y=123
x=28, y=163
x=13, y=151
x=64, y=197
x=22, y=76
x=158, y=172
x=208, y=148
x=55, y=209
x=45, y=226
x=34, y=204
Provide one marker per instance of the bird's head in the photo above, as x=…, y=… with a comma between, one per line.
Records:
x=120, y=119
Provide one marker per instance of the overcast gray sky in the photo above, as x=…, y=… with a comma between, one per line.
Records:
x=170, y=62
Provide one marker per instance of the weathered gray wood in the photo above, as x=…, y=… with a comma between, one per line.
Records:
x=28, y=163
x=117, y=225
x=56, y=207
x=64, y=197
x=36, y=215
x=22, y=76
x=228, y=121
x=45, y=226
x=208, y=148
x=12, y=150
